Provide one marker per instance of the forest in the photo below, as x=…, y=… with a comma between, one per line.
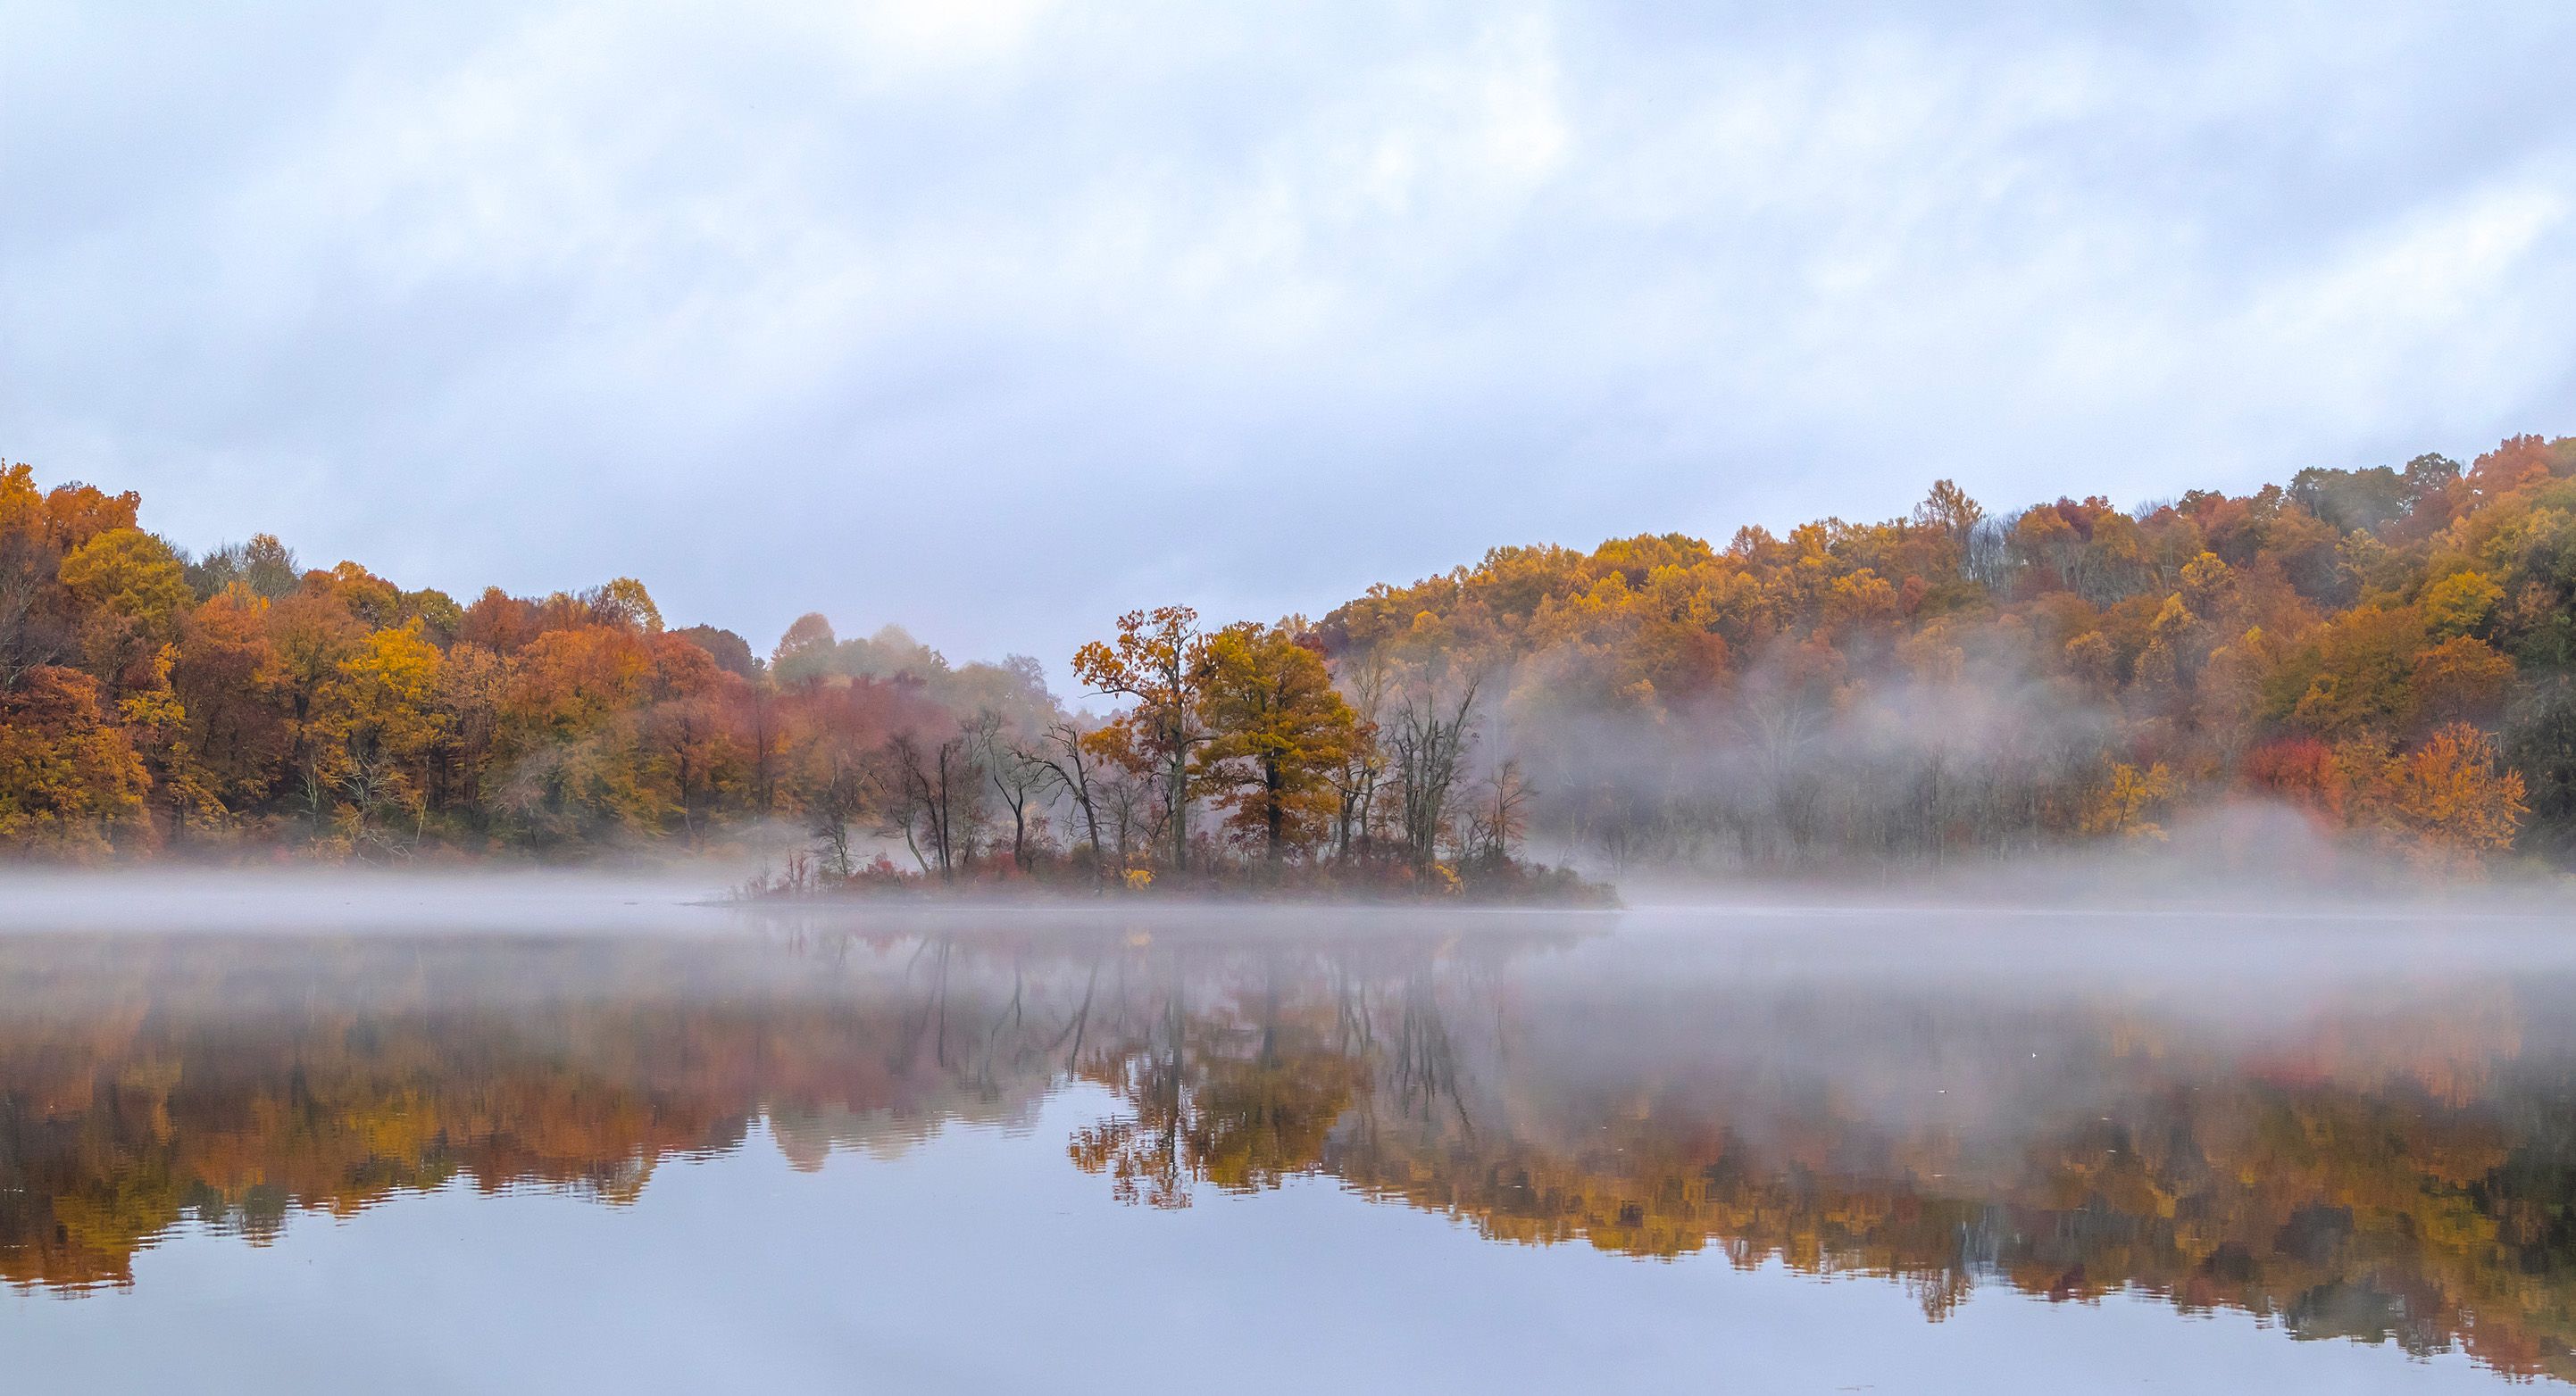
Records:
x=2390, y=651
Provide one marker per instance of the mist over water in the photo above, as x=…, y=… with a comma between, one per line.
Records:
x=307, y=900
x=2322, y=1144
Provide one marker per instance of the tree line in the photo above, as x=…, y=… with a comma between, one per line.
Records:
x=152, y=702
x=2391, y=650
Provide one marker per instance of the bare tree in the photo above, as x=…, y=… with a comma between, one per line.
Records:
x=937, y=800
x=1501, y=815
x=1356, y=779
x=1014, y=774
x=835, y=797
x=1781, y=718
x=1131, y=804
x=1430, y=743
x=1072, y=769
x=374, y=785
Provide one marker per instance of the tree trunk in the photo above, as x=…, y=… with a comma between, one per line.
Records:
x=1273, y=800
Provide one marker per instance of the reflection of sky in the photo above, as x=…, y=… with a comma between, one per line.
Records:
x=980, y=1262
x=999, y=317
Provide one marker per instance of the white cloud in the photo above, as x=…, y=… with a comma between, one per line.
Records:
x=999, y=318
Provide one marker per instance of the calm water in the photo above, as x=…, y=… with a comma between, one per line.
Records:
x=678, y=1149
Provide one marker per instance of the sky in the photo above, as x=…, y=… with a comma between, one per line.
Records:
x=996, y=318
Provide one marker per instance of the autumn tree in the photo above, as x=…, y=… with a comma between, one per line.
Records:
x=571, y=728
x=2126, y=801
x=2540, y=744
x=69, y=778
x=473, y=685
x=835, y=786
x=1127, y=791
x=156, y=725
x=1159, y=660
x=133, y=589
x=1278, y=731
x=231, y=685
x=2452, y=799
x=378, y=715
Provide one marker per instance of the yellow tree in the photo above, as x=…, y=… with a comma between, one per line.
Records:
x=2124, y=801
x=2450, y=795
x=134, y=588
x=2357, y=670
x=1279, y=730
x=381, y=708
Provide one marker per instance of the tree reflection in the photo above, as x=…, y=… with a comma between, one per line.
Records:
x=1239, y=1096
x=2394, y=1169
x=2388, y=1178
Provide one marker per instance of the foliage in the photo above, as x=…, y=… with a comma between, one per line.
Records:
x=2389, y=648
x=1279, y=728
x=69, y=777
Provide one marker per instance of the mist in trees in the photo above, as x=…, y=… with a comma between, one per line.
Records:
x=2387, y=650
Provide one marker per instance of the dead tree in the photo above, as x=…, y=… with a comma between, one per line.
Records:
x=1071, y=768
x=1430, y=744
x=937, y=789
x=1012, y=773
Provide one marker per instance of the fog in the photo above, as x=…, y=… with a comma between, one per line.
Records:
x=330, y=901
x=2062, y=1100
x=2241, y=865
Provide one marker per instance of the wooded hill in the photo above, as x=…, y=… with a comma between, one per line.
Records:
x=2387, y=649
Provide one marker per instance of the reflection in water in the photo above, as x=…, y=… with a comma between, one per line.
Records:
x=2386, y=1153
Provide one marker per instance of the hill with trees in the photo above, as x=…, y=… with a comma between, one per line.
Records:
x=2389, y=650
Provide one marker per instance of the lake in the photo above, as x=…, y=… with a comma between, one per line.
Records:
x=368, y=1137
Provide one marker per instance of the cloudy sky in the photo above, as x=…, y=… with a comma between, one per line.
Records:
x=996, y=317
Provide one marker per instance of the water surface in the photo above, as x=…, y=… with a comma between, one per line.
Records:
x=687, y=1149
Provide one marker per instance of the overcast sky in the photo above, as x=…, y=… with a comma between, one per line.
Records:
x=997, y=317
